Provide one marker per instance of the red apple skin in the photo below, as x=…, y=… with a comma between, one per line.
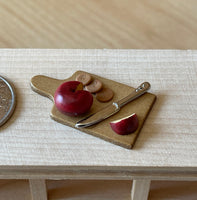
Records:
x=125, y=126
x=71, y=99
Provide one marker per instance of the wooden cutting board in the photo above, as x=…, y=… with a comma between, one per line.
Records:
x=47, y=86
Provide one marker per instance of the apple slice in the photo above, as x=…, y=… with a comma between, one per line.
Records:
x=71, y=99
x=125, y=125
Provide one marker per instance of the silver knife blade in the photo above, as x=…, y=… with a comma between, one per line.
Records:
x=113, y=108
x=99, y=116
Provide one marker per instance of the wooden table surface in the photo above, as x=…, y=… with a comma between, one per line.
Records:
x=168, y=138
x=133, y=24
x=33, y=146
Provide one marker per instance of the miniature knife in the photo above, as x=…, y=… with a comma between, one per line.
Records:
x=113, y=108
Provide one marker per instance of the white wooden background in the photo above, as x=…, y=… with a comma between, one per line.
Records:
x=31, y=142
x=168, y=138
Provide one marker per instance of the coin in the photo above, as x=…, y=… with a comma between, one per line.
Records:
x=7, y=100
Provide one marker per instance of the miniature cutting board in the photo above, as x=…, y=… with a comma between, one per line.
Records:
x=47, y=86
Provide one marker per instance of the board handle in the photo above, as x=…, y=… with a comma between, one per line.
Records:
x=45, y=86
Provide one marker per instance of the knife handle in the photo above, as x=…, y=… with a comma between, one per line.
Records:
x=135, y=94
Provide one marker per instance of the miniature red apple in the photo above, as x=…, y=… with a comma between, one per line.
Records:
x=125, y=125
x=71, y=99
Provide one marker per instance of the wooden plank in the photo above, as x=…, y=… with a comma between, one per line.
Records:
x=38, y=189
x=102, y=173
x=140, y=189
x=168, y=138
